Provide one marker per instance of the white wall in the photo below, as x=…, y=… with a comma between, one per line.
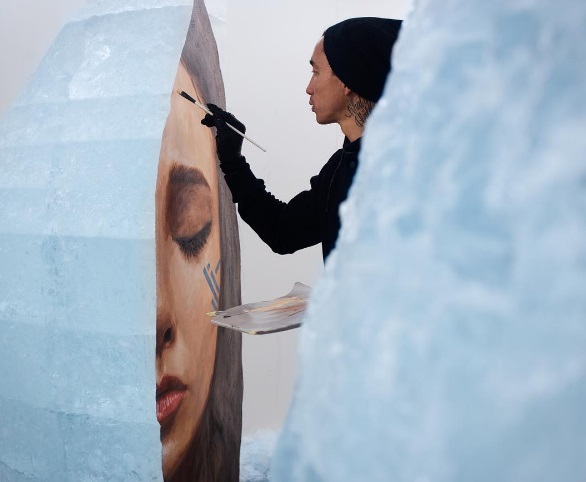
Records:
x=266, y=69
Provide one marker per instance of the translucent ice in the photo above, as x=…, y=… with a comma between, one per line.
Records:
x=215, y=8
x=78, y=156
x=446, y=341
x=255, y=456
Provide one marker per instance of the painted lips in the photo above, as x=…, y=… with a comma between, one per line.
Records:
x=170, y=393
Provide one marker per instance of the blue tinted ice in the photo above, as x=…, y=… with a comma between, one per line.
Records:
x=107, y=7
x=447, y=340
x=256, y=453
x=78, y=156
x=110, y=7
x=101, y=57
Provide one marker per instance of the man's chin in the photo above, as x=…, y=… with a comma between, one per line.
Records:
x=323, y=122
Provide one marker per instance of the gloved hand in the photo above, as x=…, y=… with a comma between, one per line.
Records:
x=228, y=142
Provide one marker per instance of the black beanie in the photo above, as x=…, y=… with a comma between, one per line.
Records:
x=359, y=52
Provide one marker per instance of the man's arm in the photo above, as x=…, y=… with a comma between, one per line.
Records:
x=284, y=227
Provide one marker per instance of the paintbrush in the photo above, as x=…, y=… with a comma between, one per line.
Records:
x=205, y=109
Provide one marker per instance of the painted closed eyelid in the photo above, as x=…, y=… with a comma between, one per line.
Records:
x=192, y=246
x=188, y=210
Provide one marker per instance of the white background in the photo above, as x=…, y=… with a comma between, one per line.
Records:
x=265, y=64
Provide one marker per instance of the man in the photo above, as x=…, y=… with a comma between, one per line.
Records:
x=350, y=66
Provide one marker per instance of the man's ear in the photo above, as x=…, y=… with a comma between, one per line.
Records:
x=348, y=92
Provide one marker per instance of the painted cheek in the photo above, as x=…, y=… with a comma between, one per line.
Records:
x=211, y=274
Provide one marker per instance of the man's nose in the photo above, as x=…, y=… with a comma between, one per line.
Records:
x=309, y=89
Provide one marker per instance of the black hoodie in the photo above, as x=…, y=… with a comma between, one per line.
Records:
x=310, y=217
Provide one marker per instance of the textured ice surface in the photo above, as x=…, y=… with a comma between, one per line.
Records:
x=73, y=188
x=100, y=57
x=255, y=456
x=78, y=163
x=112, y=7
x=447, y=340
x=215, y=8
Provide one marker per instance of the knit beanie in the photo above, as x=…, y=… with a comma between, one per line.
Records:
x=359, y=53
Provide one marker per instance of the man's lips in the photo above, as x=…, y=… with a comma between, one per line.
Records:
x=170, y=393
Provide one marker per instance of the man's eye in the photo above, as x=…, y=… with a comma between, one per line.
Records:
x=192, y=246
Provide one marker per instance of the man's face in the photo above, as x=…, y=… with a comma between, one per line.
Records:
x=328, y=96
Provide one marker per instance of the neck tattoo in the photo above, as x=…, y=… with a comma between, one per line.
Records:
x=360, y=109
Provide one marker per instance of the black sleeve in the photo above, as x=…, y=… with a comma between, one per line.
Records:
x=285, y=227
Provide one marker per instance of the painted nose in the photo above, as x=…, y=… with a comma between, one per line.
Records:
x=165, y=332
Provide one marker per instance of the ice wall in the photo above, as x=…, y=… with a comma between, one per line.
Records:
x=78, y=156
x=255, y=456
x=447, y=340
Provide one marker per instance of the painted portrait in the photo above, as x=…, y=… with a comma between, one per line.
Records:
x=199, y=368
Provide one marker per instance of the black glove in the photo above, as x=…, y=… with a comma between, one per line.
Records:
x=229, y=143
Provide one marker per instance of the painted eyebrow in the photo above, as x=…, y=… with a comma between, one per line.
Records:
x=187, y=175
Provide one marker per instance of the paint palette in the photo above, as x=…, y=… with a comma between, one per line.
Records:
x=263, y=317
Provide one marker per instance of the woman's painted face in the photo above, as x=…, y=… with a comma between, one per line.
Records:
x=188, y=269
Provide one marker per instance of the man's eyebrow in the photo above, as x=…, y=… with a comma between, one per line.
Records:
x=187, y=175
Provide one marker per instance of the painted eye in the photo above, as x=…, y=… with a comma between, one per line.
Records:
x=189, y=210
x=192, y=246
